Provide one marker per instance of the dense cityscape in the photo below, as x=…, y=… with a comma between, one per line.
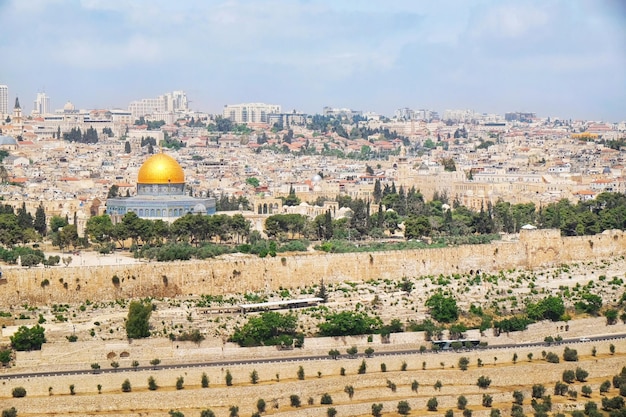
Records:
x=302, y=208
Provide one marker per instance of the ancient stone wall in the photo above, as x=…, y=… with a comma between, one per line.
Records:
x=242, y=273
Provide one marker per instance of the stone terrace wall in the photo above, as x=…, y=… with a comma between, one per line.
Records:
x=242, y=273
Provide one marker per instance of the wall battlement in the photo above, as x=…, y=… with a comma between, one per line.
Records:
x=244, y=273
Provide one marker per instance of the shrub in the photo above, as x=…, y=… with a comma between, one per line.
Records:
x=369, y=352
x=126, y=386
x=72, y=392
x=495, y=413
x=570, y=355
x=403, y=366
x=152, y=385
x=254, y=377
x=560, y=388
x=228, y=378
x=463, y=363
x=180, y=383
x=483, y=382
x=9, y=412
x=362, y=367
x=432, y=404
x=349, y=389
x=326, y=399
x=331, y=412
x=294, y=400
x=487, y=400
x=414, y=386
x=333, y=353
x=204, y=380
x=581, y=374
x=461, y=402
x=404, y=408
x=605, y=387
x=552, y=357
x=538, y=391
x=569, y=376
x=383, y=367
x=18, y=392
x=377, y=410
x=260, y=405
x=233, y=411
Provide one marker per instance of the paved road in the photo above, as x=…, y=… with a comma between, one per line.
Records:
x=224, y=363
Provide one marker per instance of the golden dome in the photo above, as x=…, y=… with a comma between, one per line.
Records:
x=161, y=169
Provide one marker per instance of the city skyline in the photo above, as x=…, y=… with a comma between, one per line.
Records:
x=562, y=58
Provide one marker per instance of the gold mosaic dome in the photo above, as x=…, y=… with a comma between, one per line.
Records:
x=161, y=169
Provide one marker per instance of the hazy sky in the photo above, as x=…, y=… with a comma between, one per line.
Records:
x=563, y=58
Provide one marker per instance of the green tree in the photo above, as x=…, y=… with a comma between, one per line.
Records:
x=138, y=320
x=254, y=377
x=348, y=323
x=126, y=386
x=18, y=392
x=326, y=399
x=518, y=397
x=152, y=385
x=173, y=413
x=127, y=147
x=581, y=374
x=483, y=381
x=442, y=308
x=300, y=373
x=362, y=367
x=294, y=400
x=207, y=413
x=270, y=329
x=461, y=402
x=228, y=378
x=204, y=380
x=463, y=363
x=260, y=405
x=487, y=400
x=25, y=339
x=253, y=181
x=6, y=355
x=538, y=391
x=431, y=404
x=9, y=412
x=39, y=223
x=331, y=412
x=180, y=381
x=377, y=410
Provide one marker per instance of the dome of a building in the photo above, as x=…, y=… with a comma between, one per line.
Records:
x=7, y=140
x=161, y=169
x=68, y=106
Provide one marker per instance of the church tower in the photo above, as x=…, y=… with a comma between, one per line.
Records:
x=17, y=121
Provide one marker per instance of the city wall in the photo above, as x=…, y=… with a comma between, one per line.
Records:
x=244, y=273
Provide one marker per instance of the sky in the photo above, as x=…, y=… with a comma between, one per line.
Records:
x=558, y=58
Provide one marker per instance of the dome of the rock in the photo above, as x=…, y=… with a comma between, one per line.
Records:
x=161, y=169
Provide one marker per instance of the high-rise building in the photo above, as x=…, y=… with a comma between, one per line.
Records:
x=174, y=102
x=250, y=112
x=4, y=100
x=42, y=104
